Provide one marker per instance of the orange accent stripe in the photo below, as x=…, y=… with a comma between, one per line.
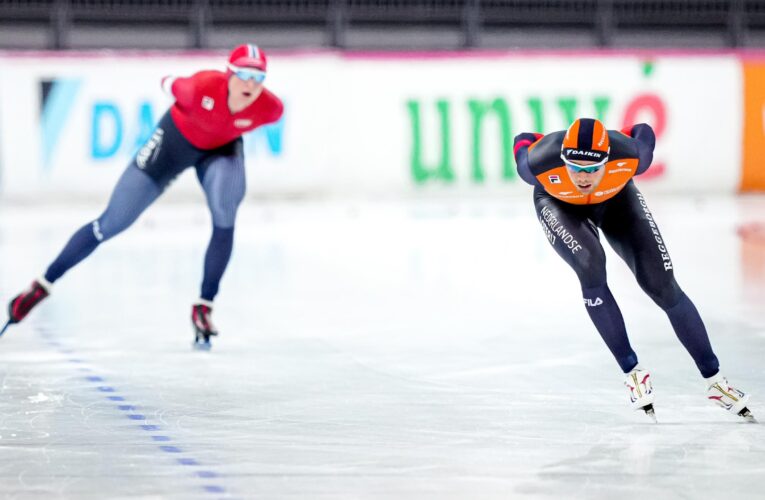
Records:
x=569, y=141
x=599, y=137
x=753, y=160
x=596, y=134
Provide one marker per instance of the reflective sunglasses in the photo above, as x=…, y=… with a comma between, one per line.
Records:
x=248, y=74
x=587, y=169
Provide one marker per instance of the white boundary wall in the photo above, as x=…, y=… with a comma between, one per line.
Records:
x=349, y=121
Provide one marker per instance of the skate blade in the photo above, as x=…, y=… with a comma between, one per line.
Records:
x=5, y=327
x=201, y=345
x=747, y=415
x=651, y=413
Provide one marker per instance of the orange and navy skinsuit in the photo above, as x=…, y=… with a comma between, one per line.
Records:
x=570, y=221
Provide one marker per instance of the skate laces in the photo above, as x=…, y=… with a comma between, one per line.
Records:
x=639, y=386
x=725, y=395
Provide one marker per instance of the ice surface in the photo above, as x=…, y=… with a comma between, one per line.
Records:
x=378, y=350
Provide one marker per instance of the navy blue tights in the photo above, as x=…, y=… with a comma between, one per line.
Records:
x=631, y=231
x=224, y=185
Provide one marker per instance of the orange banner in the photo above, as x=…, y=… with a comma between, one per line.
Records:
x=753, y=165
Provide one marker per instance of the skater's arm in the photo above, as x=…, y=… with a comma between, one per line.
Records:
x=521, y=150
x=167, y=85
x=272, y=107
x=645, y=140
x=182, y=89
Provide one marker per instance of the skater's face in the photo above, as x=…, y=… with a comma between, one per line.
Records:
x=583, y=178
x=243, y=91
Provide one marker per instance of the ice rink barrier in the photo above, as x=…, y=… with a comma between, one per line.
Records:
x=388, y=124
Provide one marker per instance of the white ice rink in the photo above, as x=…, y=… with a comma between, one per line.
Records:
x=372, y=350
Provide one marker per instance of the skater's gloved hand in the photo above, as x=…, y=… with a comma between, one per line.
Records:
x=644, y=133
x=525, y=139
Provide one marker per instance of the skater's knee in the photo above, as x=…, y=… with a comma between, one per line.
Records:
x=103, y=230
x=222, y=235
x=98, y=231
x=108, y=226
x=224, y=208
x=663, y=290
x=224, y=185
x=590, y=268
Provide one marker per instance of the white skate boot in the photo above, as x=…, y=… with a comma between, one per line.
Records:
x=720, y=392
x=640, y=390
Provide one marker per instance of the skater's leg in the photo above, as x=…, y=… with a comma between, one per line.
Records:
x=159, y=161
x=223, y=180
x=632, y=232
x=575, y=240
x=134, y=192
x=165, y=155
x=217, y=257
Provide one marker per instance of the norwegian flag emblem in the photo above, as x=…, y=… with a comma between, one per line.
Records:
x=554, y=179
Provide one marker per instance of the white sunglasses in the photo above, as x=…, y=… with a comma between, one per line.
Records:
x=588, y=169
x=248, y=73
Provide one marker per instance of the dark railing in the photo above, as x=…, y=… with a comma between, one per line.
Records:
x=733, y=20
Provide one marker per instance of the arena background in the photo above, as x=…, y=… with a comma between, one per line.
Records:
x=363, y=115
x=394, y=324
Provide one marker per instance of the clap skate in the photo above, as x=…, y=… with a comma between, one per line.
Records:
x=203, y=328
x=720, y=392
x=640, y=390
x=22, y=304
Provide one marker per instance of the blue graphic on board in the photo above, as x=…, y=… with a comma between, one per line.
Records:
x=146, y=123
x=104, y=112
x=268, y=135
x=118, y=131
x=107, y=131
x=58, y=99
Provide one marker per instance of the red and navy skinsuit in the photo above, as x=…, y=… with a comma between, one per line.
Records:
x=198, y=131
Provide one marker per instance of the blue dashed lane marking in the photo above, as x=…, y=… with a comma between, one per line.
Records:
x=170, y=449
x=111, y=394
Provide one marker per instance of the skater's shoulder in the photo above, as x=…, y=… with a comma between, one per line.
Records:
x=270, y=105
x=545, y=153
x=622, y=146
x=209, y=78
